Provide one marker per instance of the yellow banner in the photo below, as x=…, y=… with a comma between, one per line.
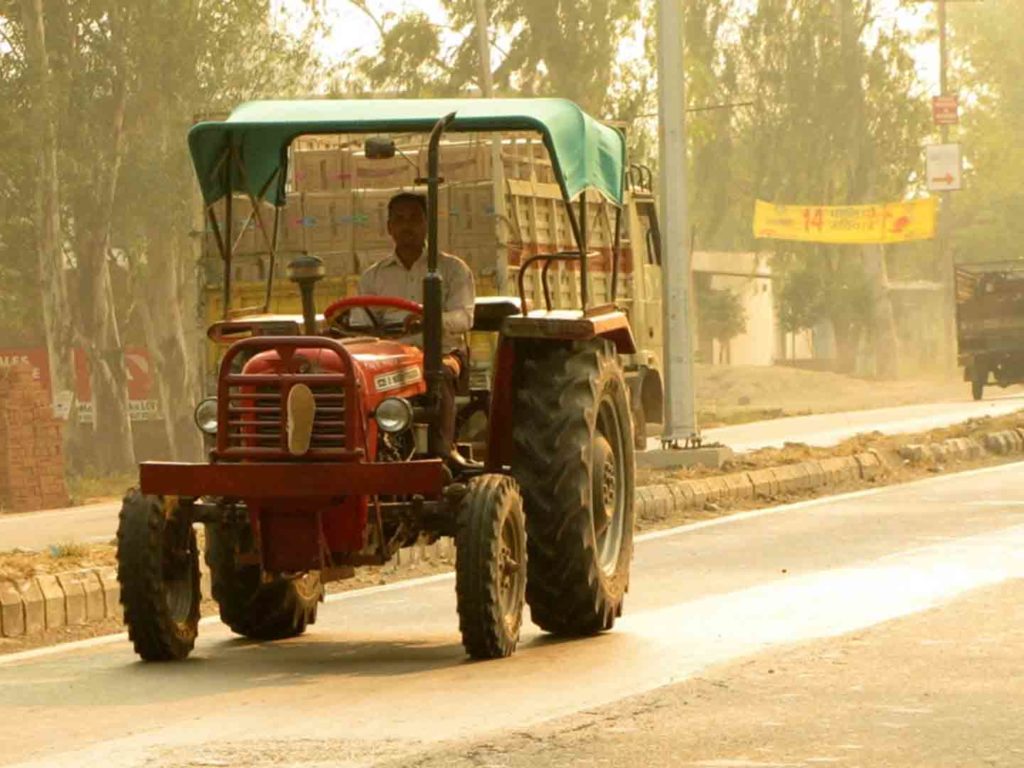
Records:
x=889, y=223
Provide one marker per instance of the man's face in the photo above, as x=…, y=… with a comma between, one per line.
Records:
x=407, y=225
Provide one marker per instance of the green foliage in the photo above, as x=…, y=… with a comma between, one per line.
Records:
x=547, y=47
x=989, y=212
x=165, y=62
x=720, y=314
x=833, y=123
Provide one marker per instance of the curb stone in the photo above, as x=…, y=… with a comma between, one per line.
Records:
x=53, y=601
x=74, y=597
x=80, y=597
x=770, y=482
x=12, y=611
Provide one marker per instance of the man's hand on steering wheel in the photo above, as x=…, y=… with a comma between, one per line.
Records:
x=413, y=323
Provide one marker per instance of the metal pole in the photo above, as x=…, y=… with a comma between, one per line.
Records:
x=680, y=421
x=946, y=221
x=484, y=50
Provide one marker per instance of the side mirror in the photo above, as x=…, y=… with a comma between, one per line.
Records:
x=379, y=148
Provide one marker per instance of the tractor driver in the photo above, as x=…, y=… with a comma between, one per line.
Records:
x=402, y=273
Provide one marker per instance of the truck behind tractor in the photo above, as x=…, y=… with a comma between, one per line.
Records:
x=327, y=450
x=990, y=323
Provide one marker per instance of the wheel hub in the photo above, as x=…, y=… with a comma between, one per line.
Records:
x=510, y=574
x=605, y=490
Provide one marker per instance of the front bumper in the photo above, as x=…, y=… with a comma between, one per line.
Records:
x=292, y=480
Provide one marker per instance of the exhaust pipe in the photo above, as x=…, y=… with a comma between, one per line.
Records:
x=306, y=271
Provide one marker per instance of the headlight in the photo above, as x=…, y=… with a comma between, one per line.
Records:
x=206, y=415
x=394, y=414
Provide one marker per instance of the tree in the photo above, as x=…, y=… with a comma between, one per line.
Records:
x=38, y=90
x=989, y=51
x=832, y=124
x=720, y=316
x=547, y=49
x=120, y=83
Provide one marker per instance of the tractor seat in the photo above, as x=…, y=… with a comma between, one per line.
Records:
x=489, y=312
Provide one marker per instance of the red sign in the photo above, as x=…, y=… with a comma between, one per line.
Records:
x=34, y=357
x=142, y=395
x=945, y=110
x=140, y=377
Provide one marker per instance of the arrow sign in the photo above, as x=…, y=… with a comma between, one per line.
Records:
x=945, y=167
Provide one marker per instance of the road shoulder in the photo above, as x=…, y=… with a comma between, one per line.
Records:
x=939, y=688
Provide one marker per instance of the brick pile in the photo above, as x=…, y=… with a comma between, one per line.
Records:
x=31, y=452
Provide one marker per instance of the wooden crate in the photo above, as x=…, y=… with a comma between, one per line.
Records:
x=472, y=214
x=328, y=220
x=387, y=173
x=322, y=170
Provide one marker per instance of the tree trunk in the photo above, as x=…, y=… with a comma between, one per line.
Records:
x=847, y=339
x=113, y=448
x=884, y=336
x=168, y=322
x=52, y=279
x=112, y=427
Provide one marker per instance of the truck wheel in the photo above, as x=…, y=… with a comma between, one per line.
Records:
x=274, y=610
x=979, y=378
x=574, y=462
x=158, y=570
x=490, y=567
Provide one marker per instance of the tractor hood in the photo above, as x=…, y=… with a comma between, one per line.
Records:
x=382, y=368
x=388, y=368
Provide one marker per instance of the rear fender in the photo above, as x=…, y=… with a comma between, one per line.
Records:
x=572, y=325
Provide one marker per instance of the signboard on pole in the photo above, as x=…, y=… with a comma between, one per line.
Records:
x=841, y=224
x=944, y=167
x=945, y=110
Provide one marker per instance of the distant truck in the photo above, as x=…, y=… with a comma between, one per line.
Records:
x=990, y=323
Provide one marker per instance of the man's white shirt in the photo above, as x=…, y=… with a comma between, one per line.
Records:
x=389, y=277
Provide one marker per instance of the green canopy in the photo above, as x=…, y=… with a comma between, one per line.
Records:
x=585, y=153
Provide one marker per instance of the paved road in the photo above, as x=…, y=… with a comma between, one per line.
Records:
x=382, y=676
x=949, y=698
x=98, y=522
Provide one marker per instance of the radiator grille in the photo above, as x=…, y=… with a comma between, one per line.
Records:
x=256, y=419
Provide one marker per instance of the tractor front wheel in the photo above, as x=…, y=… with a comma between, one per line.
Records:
x=490, y=567
x=251, y=607
x=158, y=569
x=574, y=461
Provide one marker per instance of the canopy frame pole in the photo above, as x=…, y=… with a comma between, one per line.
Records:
x=269, y=240
x=228, y=213
x=581, y=241
x=616, y=257
x=215, y=227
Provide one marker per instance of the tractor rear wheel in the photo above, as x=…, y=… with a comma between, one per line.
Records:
x=158, y=570
x=574, y=461
x=251, y=607
x=490, y=567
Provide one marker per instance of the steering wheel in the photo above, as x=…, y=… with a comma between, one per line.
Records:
x=337, y=315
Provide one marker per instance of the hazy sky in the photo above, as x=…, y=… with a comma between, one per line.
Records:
x=351, y=32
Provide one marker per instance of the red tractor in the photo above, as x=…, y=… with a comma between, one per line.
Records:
x=328, y=453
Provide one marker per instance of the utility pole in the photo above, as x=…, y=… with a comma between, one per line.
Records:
x=946, y=221
x=484, y=50
x=680, y=422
